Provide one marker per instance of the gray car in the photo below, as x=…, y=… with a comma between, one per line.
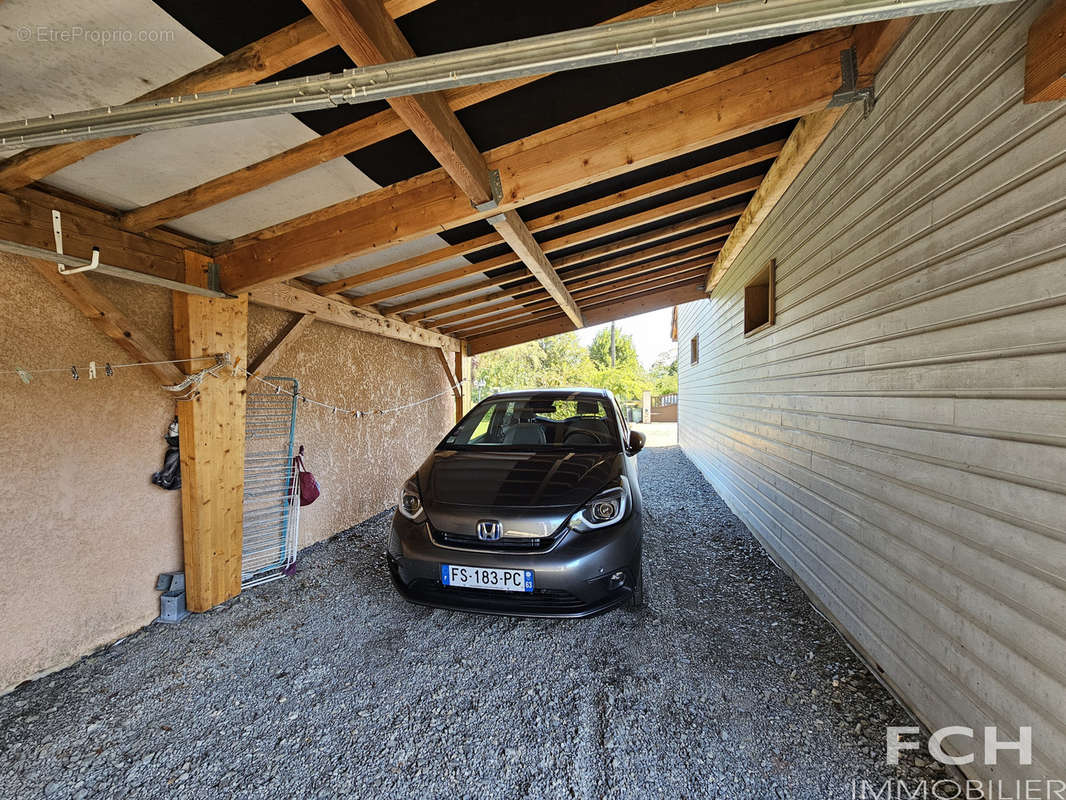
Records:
x=529, y=507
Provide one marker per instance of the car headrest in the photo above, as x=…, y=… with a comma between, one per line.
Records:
x=524, y=433
x=588, y=407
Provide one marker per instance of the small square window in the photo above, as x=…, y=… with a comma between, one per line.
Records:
x=759, y=300
x=694, y=350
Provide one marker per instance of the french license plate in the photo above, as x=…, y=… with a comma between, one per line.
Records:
x=504, y=580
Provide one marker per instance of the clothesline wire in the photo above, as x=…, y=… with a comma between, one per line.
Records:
x=113, y=366
x=351, y=412
x=194, y=380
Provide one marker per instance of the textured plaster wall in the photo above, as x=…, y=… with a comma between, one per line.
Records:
x=360, y=463
x=83, y=529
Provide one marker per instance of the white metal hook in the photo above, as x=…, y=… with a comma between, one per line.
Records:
x=57, y=230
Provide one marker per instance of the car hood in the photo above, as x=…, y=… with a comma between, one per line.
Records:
x=515, y=479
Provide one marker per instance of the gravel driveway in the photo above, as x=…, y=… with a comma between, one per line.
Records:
x=327, y=684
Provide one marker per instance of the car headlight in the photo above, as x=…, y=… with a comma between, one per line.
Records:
x=606, y=508
x=411, y=501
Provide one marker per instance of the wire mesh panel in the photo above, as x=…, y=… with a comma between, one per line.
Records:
x=271, y=502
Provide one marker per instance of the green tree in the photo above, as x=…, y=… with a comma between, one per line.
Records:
x=624, y=351
x=555, y=361
x=663, y=373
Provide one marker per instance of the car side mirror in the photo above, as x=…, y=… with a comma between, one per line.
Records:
x=636, y=442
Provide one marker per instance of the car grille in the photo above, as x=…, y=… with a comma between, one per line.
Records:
x=539, y=600
x=502, y=545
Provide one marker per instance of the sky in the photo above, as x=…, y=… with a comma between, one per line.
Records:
x=650, y=332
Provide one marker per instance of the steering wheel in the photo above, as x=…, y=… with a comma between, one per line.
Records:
x=589, y=434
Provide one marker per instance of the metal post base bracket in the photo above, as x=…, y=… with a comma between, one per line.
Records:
x=849, y=91
x=497, y=193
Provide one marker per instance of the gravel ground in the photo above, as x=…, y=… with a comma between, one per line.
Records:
x=727, y=685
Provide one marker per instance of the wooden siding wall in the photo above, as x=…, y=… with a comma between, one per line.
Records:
x=897, y=441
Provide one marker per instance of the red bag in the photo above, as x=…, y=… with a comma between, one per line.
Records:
x=306, y=484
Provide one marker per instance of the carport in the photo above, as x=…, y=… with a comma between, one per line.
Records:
x=345, y=262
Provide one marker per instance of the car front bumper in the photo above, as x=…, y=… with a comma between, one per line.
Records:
x=572, y=579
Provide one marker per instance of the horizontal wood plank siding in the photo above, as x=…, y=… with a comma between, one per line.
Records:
x=897, y=439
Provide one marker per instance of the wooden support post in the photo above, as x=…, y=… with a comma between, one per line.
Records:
x=463, y=373
x=212, y=442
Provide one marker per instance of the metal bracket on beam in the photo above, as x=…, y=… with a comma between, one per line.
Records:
x=496, y=187
x=849, y=91
x=214, y=278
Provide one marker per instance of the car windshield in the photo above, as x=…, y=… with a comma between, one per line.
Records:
x=573, y=422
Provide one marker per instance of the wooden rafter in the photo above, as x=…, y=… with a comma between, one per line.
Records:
x=612, y=228
x=347, y=139
x=629, y=243
x=660, y=297
x=369, y=36
x=602, y=299
x=575, y=213
x=1045, y=56
x=26, y=218
x=262, y=58
x=779, y=84
x=514, y=293
x=245, y=66
x=605, y=289
x=301, y=301
x=581, y=278
x=873, y=42
x=805, y=140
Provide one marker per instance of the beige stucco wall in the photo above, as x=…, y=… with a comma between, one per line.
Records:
x=84, y=531
x=360, y=463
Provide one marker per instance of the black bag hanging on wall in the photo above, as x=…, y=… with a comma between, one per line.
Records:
x=170, y=476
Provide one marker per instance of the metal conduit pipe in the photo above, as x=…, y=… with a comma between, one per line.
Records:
x=104, y=269
x=711, y=26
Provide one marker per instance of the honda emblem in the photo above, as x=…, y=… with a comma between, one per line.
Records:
x=489, y=530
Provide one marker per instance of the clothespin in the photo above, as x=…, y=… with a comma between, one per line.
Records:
x=92, y=370
x=108, y=371
x=23, y=374
x=74, y=371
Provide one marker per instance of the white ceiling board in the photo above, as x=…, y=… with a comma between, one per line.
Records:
x=379, y=258
x=41, y=73
x=58, y=56
x=455, y=287
x=155, y=165
x=415, y=274
x=310, y=190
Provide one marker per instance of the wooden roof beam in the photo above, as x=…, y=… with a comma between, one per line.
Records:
x=575, y=213
x=873, y=42
x=627, y=244
x=611, y=228
x=779, y=84
x=584, y=290
x=595, y=313
x=369, y=36
x=347, y=139
x=262, y=58
x=583, y=278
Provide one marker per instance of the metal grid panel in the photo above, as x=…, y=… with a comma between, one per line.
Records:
x=271, y=499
